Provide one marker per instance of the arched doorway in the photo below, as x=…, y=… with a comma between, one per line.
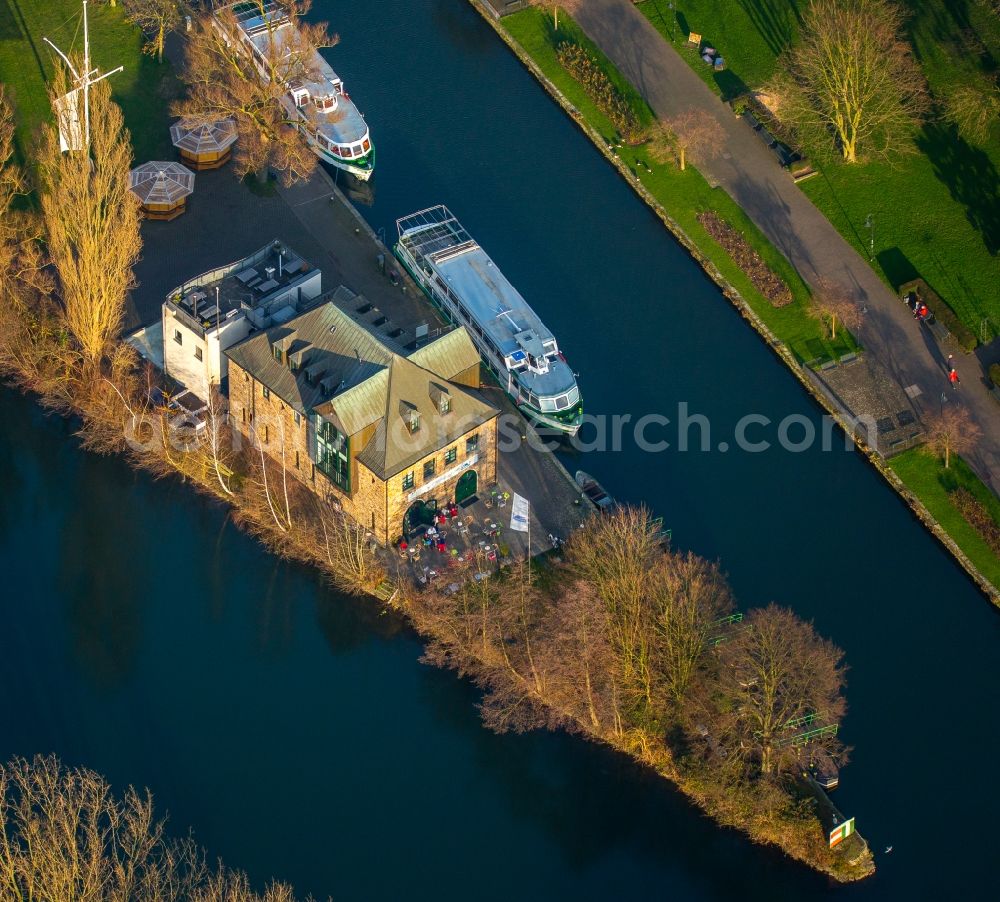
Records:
x=466, y=486
x=417, y=514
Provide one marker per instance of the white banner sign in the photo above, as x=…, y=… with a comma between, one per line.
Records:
x=67, y=110
x=470, y=461
x=520, y=511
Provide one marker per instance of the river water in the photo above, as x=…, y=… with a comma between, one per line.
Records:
x=296, y=731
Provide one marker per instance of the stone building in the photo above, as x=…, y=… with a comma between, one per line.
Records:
x=385, y=434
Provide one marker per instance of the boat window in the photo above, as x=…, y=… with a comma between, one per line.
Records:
x=562, y=402
x=367, y=145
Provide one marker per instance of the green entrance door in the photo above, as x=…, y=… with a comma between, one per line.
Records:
x=466, y=486
x=419, y=514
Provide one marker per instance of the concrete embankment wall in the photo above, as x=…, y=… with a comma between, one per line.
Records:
x=842, y=416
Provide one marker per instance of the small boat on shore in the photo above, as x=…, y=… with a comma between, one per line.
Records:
x=826, y=774
x=595, y=492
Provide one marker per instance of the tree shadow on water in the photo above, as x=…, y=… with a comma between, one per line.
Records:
x=970, y=176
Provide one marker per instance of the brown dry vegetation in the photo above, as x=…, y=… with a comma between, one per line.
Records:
x=65, y=836
x=764, y=279
x=617, y=641
x=223, y=82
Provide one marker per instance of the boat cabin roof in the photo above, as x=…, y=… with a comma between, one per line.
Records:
x=436, y=238
x=345, y=124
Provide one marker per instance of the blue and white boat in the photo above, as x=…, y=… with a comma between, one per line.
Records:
x=458, y=276
x=317, y=100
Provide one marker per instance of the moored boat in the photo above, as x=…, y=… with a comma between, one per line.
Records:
x=461, y=279
x=595, y=492
x=316, y=99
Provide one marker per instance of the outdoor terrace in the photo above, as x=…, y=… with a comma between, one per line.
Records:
x=268, y=287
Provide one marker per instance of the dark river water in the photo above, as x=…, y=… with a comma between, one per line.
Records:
x=296, y=731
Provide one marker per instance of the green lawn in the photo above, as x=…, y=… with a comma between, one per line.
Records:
x=749, y=35
x=26, y=62
x=682, y=194
x=927, y=478
x=936, y=213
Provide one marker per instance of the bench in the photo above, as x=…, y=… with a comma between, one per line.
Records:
x=767, y=137
x=751, y=119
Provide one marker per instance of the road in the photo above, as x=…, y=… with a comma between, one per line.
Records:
x=749, y=172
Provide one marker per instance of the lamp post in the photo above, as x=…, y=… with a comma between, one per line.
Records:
x=870, y=225
x=670, y=21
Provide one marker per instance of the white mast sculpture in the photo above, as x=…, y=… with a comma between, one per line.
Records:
x=66, y=111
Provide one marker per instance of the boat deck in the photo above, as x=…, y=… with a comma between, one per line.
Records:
x=491, y=300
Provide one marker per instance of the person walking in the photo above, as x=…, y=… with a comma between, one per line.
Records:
x=953, y=378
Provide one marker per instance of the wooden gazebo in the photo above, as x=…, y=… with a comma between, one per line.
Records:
x=206, y=146
x=162, y=188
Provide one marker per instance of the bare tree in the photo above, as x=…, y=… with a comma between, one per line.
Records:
x=22, y=276
x=64, y=835
x=224, y=81
x=852, y=73
x=553, y=7
x=832, y=307
x=975, y=109
x=615, y=553
x=693, y=133
x=953, y=431
x=780, y=681
x=349, y=552
x=91, y=221
x=690, y=596
x=577, y=655
x=215, y=444
x=156, y=18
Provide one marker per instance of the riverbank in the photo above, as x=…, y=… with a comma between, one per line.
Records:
x=926, y=223
x=667, y=208
x=499, y=645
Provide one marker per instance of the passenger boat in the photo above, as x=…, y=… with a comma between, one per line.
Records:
x=459, y=277
x=334, y=128
x=595, y=492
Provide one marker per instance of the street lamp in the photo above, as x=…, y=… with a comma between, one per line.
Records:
x=870, y=225
x=670, y=21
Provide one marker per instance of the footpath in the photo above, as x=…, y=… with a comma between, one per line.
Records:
x=750, y=174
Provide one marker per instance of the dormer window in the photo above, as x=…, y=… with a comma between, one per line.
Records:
x=441, y=398
x=279, y=354
x=410, y=416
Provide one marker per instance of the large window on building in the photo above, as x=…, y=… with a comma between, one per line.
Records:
x=450, y=456
x=407, y=482
x=472, y=444
x=333, y=454
x=429, y=468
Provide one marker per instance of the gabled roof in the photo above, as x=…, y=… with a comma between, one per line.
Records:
x=411, y=389
x=331, y=349
x=346, y=374
x=448, y=355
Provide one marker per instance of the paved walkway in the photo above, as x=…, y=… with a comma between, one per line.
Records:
x=751, y=175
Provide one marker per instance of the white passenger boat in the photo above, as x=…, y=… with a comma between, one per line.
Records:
x=336, y=131
x=463, y=281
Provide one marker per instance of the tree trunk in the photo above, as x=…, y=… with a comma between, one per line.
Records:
x=683, y=160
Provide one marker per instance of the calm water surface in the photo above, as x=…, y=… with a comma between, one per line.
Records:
x=296, y=731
